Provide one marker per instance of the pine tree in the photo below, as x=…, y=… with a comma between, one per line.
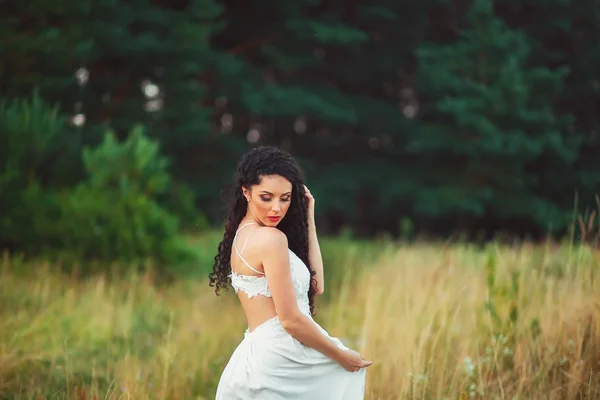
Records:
x=490, y=116
x=329, y=82
x=565, y=34
x=115, y=64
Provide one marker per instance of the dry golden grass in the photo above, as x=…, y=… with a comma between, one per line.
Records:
x=439, y=322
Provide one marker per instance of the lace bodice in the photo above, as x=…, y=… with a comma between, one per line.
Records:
x=258, y=285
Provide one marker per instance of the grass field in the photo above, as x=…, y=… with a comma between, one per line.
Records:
x=440, y=321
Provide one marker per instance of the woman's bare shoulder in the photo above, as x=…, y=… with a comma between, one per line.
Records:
x=267, y=237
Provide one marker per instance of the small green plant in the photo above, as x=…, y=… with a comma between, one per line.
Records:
x=407, y=228
x=114, y=214
x=504, y=327
x=31, y=132
x=589, y=226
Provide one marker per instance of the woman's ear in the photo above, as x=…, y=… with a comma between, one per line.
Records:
x=246, y=193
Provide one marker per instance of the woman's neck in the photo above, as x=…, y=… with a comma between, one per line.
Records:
x=249, y=218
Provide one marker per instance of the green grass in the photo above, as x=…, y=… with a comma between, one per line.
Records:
x=440, y=321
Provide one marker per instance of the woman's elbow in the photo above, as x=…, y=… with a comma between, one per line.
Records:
x=291, y=322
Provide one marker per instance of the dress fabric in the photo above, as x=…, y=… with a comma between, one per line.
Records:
x=270, y=364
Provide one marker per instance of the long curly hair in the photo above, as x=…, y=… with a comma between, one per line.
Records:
x=258, y=162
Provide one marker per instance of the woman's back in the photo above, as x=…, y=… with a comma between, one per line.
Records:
x=247, y=275
x=249, y=280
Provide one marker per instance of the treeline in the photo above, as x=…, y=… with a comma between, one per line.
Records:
x=433, y=116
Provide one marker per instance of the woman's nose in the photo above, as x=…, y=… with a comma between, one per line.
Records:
x=276, y=206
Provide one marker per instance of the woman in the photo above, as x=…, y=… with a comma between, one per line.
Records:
x=271, y=256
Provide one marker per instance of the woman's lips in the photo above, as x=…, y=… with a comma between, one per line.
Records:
x=274, y=219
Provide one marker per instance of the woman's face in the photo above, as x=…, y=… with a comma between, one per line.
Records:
x=270, y=199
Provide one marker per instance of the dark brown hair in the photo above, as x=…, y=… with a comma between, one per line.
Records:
x=259, y=162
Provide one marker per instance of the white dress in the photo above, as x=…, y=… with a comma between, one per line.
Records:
x=270, y=364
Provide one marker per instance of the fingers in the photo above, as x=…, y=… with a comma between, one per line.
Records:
x=356, y=362
x=308, y=193
x=356, y=368
x=364, y=365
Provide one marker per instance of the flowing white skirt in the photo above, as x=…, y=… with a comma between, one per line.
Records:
x=270, y=364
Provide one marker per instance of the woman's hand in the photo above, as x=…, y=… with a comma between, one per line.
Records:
x=311, y=205
x=352, y=361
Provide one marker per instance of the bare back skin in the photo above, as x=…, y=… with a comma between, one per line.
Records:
x=250, y=243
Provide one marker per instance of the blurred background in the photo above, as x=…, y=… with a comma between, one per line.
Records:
x=416, y=122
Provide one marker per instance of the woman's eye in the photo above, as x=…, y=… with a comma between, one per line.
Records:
x=267, y=199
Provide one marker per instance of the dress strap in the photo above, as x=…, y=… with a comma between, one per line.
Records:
x=245, y=243
x=243, y=226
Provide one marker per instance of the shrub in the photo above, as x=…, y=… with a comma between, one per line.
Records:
x=124, y=209
x=113, y=214
x=31, y=133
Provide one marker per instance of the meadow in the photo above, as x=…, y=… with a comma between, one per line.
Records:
x=440, y=321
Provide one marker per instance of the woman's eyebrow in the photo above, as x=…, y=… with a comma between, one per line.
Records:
x=265, y=192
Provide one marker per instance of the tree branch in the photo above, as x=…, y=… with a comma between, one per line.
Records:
x=253, y=43
x=119, y=96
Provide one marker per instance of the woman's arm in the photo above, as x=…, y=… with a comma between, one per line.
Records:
x=314, y=251
x=276, y=265
x=314, y=257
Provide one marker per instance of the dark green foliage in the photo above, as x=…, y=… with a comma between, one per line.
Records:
x=113, y=214
x=564, y=34
x=492, y=119
x=31, y=132
x=98, y=57
x=472, y=116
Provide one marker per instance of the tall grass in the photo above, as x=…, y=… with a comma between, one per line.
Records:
x=439, y=321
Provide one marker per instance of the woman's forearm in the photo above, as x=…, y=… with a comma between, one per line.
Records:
x=315, y=258
x=306, y=332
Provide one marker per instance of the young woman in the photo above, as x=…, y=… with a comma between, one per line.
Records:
x=271, y=256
